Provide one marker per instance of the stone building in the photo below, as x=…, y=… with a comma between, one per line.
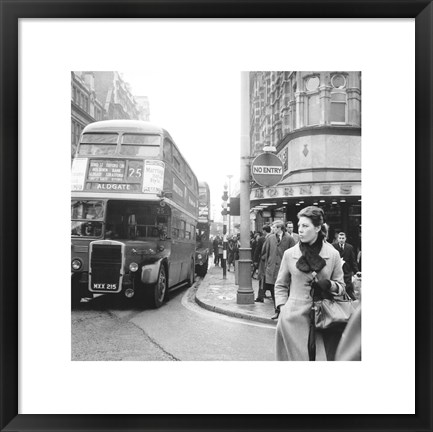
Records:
x=143, y=107
x=313, y=119
x=102, y=96
x=85, y=107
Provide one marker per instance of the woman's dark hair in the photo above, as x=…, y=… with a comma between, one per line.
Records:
x=317, y=217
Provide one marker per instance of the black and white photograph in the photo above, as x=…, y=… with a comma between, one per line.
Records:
x=225, y=201
x=165, y=266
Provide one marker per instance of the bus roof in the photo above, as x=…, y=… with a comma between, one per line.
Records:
x=137, y=126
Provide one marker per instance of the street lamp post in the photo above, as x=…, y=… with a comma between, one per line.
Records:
x=245, y=294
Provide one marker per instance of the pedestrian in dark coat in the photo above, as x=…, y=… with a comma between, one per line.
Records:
x=260, y=239
x=312, y=264
x=348, y=260
x=261, y=266
x=272, y=254
x=253, y=244
x=231, y=244
x=215, y=250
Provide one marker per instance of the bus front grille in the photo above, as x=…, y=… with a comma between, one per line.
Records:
x=105, y=268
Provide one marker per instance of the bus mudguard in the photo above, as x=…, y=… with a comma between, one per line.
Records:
x=149, y=272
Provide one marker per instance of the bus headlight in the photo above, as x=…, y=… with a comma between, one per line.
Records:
x=199, y=256
x=133, y=267
x=76, y=264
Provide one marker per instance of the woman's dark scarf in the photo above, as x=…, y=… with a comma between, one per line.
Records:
x=311, y=261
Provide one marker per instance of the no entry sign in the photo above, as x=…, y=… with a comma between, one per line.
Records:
x=267, y=169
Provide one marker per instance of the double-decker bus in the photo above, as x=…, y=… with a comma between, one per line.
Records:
x=203, y=230
x=134, y=213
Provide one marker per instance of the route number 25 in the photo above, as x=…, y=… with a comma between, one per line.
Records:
x=135, y=172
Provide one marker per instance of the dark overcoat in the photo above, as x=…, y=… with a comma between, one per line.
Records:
x=272, y=254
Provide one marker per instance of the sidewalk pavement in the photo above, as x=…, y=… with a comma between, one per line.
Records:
x=219, y=295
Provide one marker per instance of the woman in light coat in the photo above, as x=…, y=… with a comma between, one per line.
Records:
x=311, y=266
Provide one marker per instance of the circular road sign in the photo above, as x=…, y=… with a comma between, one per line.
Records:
x=267, y=169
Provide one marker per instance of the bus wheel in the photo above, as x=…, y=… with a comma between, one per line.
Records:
x=202, y=270
x=157, y=293
x=191, y=275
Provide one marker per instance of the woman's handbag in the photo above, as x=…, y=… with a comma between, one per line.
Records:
x=328, y=313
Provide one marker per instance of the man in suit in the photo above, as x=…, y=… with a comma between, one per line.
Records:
x=272, y=253
x=347, y=255
x=289, y=226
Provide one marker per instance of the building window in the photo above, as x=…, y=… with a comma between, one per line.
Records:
x=338, y=112
x=312, y=107
x=176, y=164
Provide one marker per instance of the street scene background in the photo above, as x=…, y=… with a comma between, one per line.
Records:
x=311, y=121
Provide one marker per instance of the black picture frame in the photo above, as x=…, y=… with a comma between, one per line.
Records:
x=12, y=10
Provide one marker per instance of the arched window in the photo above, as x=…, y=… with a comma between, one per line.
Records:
x=312, y=106
x=338, y=112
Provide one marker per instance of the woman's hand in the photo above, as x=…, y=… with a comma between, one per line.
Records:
x=322, y=287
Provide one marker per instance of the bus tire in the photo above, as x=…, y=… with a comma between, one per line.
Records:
x=202, y=270
x=157, y=292
x=191, y=275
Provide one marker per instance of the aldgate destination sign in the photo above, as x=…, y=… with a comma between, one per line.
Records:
x=267, y=169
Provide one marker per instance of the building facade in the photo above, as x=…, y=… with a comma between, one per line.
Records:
x=102, y=96
x=85, y=107
x=313, y=119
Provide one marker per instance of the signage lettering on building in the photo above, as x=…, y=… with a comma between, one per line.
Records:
x=325, y=189
x=346, y=189
x=272, y=192
x=305, y=190
x=288, y=191
x=258, y=193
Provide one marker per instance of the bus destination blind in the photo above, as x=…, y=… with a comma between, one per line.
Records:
x=106, y=171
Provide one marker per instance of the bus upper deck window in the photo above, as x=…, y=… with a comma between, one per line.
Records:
x=98, y=144
x=140, y=145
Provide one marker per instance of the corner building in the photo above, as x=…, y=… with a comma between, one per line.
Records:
x=313, y=119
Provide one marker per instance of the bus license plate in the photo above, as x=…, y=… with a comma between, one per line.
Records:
x=104, y=286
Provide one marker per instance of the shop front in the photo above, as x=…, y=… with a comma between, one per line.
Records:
x=340, y=201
